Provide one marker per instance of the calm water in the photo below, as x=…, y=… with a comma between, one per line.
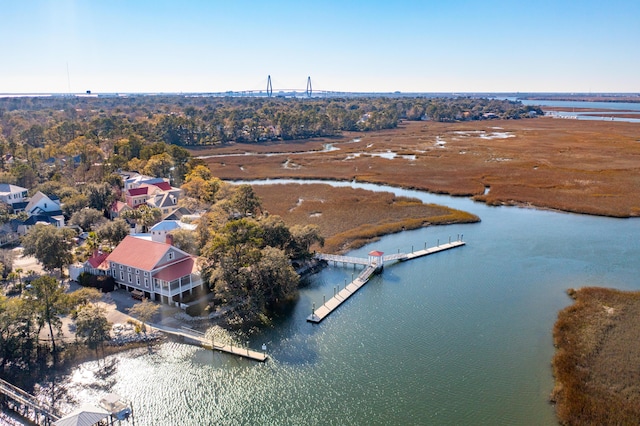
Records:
x=624, y=106
x=460, y=337
x=607, y=108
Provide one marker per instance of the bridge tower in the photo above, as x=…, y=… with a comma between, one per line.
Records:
x=269, y=86
x=309, y=90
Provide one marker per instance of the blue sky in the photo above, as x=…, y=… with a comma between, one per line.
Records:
x=344, y=45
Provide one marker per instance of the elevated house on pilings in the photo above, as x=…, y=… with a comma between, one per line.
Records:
x=155, y=270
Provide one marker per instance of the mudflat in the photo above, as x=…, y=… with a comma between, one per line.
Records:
x=581, y=166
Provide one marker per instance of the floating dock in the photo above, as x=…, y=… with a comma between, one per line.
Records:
x=374, y=263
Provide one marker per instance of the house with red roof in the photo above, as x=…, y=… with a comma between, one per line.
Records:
x=158, y=194
x=155, y=270
x=136, y=197
x=97, y=264
x=164, y=186
x=117, y=208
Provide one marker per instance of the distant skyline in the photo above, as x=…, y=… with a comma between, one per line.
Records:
x=119, y=46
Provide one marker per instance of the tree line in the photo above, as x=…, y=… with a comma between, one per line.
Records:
x=196, y=121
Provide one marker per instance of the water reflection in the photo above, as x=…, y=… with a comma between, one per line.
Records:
x=461, y=337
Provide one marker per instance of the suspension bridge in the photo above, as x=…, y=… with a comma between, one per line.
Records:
x=307, y=92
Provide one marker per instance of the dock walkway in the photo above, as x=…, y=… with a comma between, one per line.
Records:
x=342, y=259
x=319, y=314
x=431, y=250
x=26, y=404
x=349, y=290
x=200, y=339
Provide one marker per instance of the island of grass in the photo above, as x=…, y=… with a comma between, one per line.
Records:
x=349, y=218
x=597, y=358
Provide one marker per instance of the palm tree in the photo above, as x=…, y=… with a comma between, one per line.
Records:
x=93, y=242
x=18, y=272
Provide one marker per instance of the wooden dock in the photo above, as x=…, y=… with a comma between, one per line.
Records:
x=25, y=405
x=373, y=265
x=323, y=311
x=431, y=250
x=200, y=339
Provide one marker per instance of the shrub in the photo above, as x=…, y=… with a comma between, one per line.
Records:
x=103, y=283
x=194, y=310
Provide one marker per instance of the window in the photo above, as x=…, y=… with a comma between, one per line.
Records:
x=129, y=276
x=146, y=274
x=146, y=282
x=137, y=271
x=170, y=255
x=137, y=280
x=121, y=267
x=129, y=269
x=121, y=276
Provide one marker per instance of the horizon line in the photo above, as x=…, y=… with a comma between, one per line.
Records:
x=90, y=93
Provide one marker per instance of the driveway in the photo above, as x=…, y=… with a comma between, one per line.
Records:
x=26, y=263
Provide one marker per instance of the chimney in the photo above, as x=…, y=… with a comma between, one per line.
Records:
x=169, y=239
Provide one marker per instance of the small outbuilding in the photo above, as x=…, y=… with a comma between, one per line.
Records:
x=86, y=415
x=376, y=258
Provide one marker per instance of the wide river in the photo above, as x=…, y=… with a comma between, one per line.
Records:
x=459, y=337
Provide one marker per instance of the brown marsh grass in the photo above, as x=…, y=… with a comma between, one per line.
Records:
x=348, y=217
x=596, y=365
x=580, y=166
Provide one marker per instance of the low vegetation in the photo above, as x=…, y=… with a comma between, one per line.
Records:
x=349, y=218
x=571, y=165
x=597, y=358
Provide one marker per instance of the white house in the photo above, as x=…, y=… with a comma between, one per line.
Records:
x=160, y=230
x=41, y=209
x=42, y=204
x=135, y=180
x=11, y=194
